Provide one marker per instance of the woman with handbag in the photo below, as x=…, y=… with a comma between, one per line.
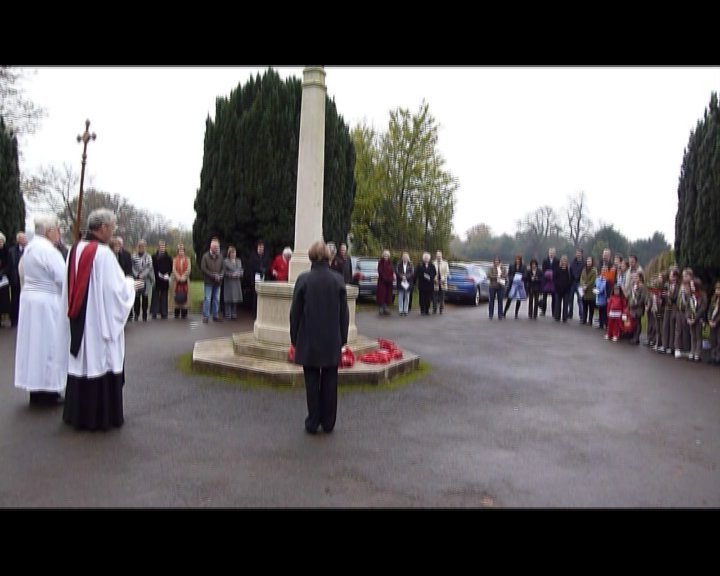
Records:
x=181, y=282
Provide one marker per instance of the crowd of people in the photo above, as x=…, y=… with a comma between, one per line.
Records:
x=74, y=309
x=166, y=279
x=430, y=277
x=675, y=304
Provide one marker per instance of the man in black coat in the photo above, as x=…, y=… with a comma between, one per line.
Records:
x=550, y=263
x=124, y=258
x=15, y=254
x=342, y=264
x=425, y=280
x=258, y=267
x=162, y=267
x=319, y=321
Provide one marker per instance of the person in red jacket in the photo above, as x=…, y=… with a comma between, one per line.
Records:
x=615, y=307
x=280, y=268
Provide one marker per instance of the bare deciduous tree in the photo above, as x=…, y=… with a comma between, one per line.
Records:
x=20, y=114
x=579, y=225
x=53, y=190
x=542, y=223
x=482, y=231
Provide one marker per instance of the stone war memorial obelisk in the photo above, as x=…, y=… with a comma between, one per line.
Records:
x=263, y=352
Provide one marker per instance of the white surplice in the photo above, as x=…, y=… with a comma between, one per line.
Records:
x=41, y=350
x=110, y=298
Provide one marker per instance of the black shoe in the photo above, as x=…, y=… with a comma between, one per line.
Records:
x=42, y=398
x=312, y=430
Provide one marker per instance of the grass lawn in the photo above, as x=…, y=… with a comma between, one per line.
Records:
x=196, y=296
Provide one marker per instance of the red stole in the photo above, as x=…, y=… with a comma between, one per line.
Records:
x=79, y=277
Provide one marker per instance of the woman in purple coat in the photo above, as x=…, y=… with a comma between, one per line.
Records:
x=386, y=278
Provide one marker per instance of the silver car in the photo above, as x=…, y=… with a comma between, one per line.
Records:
x=365, y=276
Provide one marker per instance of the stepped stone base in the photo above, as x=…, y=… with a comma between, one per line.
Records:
x=245, y=344
x=241, y=355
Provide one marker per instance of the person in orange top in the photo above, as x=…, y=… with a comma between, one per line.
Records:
x=280, y=268
x=610, y=276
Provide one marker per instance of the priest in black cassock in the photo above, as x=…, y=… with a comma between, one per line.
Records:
x=99, y=298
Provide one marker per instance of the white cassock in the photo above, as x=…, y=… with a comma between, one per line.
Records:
x=96, y=373
x=110, y=297
x=41, y=356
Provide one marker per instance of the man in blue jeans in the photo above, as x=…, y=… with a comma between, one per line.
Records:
x=212, y=269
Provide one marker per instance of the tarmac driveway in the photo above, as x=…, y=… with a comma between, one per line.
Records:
x=512, y=413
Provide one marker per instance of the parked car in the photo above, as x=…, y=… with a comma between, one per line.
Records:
x=365, y=276
x=467, y=282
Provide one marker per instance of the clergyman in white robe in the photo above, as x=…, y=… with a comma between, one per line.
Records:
x=96, y=374
x=41, y=356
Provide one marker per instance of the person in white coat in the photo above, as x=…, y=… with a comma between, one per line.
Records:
x=98, y=297
x=41, y=348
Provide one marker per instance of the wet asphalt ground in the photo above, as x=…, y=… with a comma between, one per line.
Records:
x=512, y=414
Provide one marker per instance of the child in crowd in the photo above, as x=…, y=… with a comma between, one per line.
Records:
x=714, y=321
x=652, y=306
x=601, y=296
x=670, y=295
x=615, y=307
x=636, y=303
x=696, y=313
x=682, y=328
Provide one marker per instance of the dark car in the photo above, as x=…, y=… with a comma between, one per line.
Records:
x=467, y=282
x=365, y=276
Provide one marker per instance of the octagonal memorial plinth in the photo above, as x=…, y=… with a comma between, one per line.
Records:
x=219, y=355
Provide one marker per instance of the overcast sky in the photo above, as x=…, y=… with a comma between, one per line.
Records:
x=516, y=138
